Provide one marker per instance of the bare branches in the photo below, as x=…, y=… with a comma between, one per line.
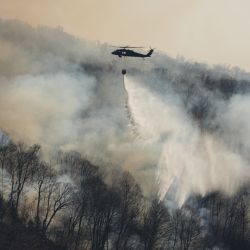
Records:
x=74, y=205
x=20, y=163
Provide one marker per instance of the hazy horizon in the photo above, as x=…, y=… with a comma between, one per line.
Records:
x=214, y=32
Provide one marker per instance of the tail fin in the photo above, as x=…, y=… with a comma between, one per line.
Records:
x=150, y=53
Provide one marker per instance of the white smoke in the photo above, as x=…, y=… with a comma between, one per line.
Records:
x=45, y=108
x=194, y=162
x=65, y=93
x=58, y=91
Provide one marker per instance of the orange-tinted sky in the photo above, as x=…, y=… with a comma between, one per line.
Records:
x=213, y=31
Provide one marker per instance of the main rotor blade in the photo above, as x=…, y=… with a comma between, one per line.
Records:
x=124, y=47
x=135, y=47
x=120, y=46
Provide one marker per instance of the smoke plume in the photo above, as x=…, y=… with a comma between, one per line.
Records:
x=191, y=120
x=191, y=160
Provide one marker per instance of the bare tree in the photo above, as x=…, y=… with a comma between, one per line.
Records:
x=44, y=176
x=86, y=177
x=7, y=151
x=185, y=227
x=21, y=167
x=58, y=196
x=129, y=210
x=234, y=219
x=155, y=223
x=100, y=215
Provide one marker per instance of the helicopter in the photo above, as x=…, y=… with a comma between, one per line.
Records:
x=126, y=51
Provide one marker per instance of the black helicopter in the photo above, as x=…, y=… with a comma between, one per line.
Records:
x=124, y=51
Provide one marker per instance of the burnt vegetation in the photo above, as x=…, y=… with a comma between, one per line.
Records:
x=69, y=204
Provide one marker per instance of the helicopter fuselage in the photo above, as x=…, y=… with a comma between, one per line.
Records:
x=131, y=53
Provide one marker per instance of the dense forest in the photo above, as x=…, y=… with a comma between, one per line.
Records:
x=69, y=203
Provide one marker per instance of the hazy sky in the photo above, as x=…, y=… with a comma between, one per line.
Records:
x=213, y=31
